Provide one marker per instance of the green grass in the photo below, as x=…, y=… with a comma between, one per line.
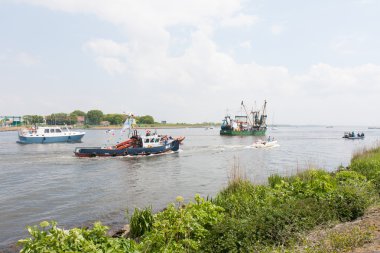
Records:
x=367, y=163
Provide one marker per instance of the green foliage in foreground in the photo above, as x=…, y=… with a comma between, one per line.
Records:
x=141, y=222
x=50, y=238
x=242, y=218
x=368, y=164
x=182, y=228
x=258, y=217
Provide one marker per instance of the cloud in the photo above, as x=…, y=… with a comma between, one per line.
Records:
x=326, y=80
x=107, y=47
x=197, y=78
x=277, y=29
x=246, y=44
x=239, y=20
x=348, y=44
x=19, y=58
x=109, y=55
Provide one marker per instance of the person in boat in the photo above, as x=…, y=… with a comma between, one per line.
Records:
x=147, y=133
x=269, y=138
x=352, y=134
x=140, y=142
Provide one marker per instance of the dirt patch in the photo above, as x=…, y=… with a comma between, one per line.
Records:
x=371, y=218
x=363, y=227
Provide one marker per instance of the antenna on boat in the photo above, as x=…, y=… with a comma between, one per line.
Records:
x=245, y=109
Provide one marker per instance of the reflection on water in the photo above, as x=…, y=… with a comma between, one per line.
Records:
x=45, y=181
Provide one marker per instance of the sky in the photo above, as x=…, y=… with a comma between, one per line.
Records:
x=315, y=62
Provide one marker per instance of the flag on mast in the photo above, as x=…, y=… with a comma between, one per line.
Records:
x=128, y=122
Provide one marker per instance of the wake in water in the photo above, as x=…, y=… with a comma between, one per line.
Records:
x=256, y=147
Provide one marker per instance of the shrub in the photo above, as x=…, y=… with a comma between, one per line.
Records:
x=182, y=228
x=352, y=195
x=290, y=206
x=369, y=166
x=274, y=180
x=49, y=238
x=242, y=198
x=141, y=222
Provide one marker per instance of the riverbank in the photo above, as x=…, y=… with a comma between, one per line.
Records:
x=246, y=217
x=144, y=126
x=6, y=129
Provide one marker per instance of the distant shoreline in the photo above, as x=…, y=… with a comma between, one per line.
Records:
x=7, y=129
x=174, y=126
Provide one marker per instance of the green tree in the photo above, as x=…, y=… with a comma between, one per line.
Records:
x=147, y=119
x=114, y=119
x=33, y=119
x=60, y=119
x=94, y=117
x=78, y=113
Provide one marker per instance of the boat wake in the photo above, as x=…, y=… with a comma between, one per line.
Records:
x=263, y=145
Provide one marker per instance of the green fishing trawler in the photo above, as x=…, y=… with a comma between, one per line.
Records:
x=253, y=123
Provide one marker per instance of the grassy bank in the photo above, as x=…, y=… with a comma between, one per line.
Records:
x=243, y=217
x=140, y=126
x=158, y=126
x=6, y=129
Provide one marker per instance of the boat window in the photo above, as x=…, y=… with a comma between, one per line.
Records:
x=51, y=130
x=46, y=131
x=152, y=140
x=57, y=130
x=146, y=140
x=157, y=140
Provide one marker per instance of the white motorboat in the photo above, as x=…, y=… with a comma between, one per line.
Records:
x=265, y=144
x=49, y=134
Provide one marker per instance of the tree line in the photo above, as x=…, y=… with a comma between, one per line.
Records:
x=92, y=117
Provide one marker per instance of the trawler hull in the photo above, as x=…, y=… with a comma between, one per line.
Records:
x=260, y=132
x=140, y=151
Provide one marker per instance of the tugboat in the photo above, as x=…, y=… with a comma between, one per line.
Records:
x=253, y=123
x=135, y=146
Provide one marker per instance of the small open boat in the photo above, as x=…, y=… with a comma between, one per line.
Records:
x=353, y=136
x=265, y=144
x=135, y=146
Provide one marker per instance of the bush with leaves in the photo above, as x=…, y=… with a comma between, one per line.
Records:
x=278, y=214
x=368, y=164
x=141, y=222
x=352, y=196
x=49, y=238
x=181, y=228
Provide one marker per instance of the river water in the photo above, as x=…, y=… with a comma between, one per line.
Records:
x=46, y=182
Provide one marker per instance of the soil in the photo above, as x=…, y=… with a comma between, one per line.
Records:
x=371, y=218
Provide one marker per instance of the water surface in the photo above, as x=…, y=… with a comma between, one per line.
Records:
x=46, y=182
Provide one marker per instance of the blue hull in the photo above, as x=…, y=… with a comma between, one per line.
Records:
x=97, y=151
x=53, y=139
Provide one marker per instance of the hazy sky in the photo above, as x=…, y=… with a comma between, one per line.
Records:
x=316, y=62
